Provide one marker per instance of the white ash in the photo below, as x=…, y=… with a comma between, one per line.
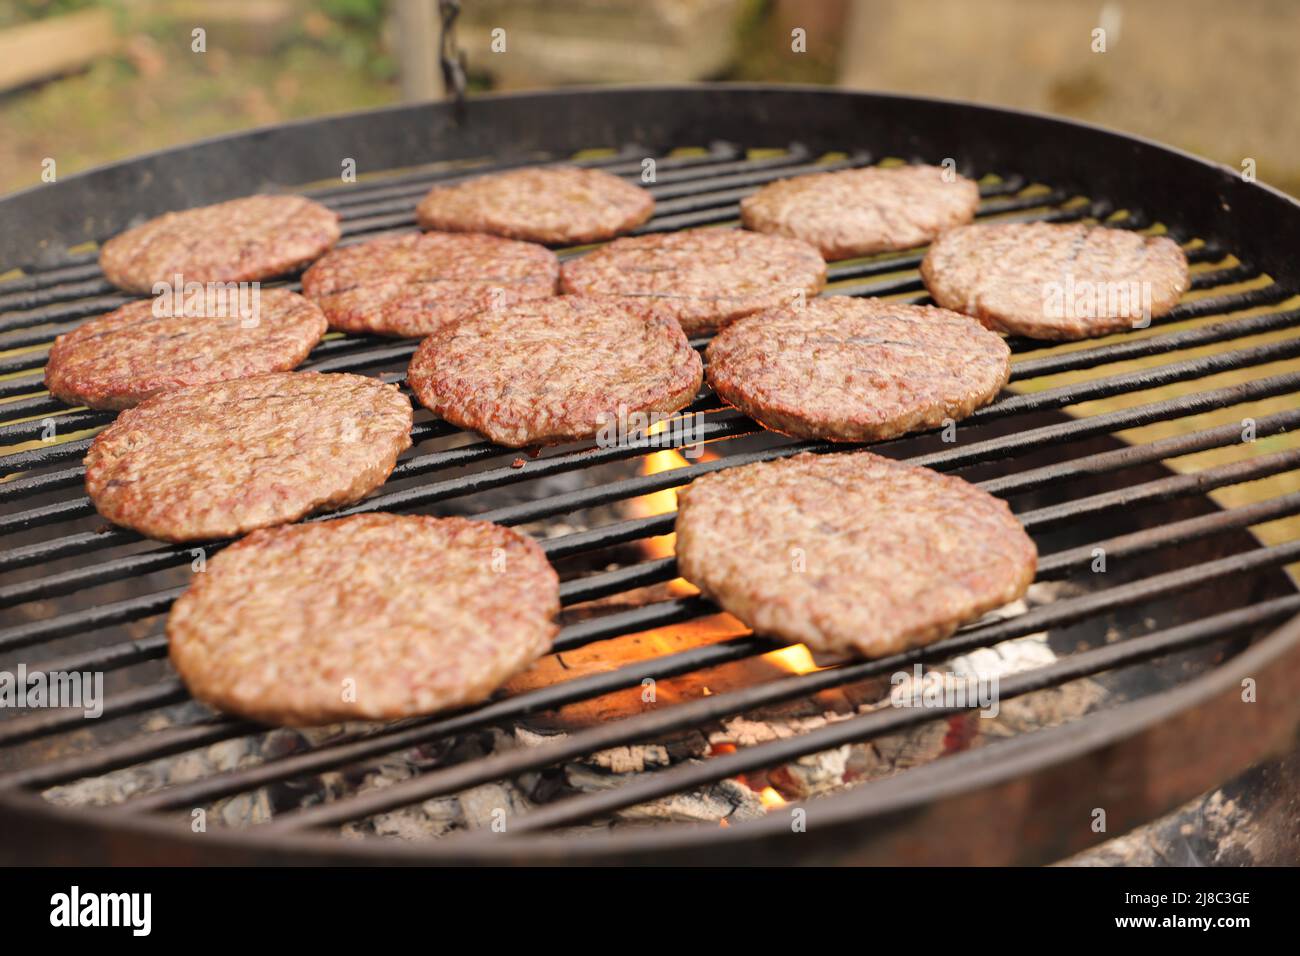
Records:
x=724, y=800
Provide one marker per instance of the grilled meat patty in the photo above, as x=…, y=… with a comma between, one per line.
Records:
x=857, y=212
x=557, y=205
x=857, y=370
x=555, y=370
x=1055, y=281
x=850, y=552
x=242, y=240
x=703, y=278
x=221, y=459
x=373, y=617
x=411, y=285
x=150, y=346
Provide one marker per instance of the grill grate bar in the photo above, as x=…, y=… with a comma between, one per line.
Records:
x=1133, y=455
x=691, y=190
x=679, y=610
x=35, y=360
x=363, y=747
x=33, y=726
x=683, y=777
x=25, y=309
x=597, y=585
x=1162, y=489
x=101, y=760
x=1061, y=563
x=1155, y=345
x=977, y=452
x=1195, y=309
x=703, y=710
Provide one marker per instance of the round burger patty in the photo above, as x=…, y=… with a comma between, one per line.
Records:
x=556, y=370
x=850, y=552
x=218, y=460
x=857, y=212
x=243, y=240
x=857, y=370
x=150, y=346
x=558, y=205
x=414, y=284
x=703, y=278
x=1052, y=281
x=371, y=617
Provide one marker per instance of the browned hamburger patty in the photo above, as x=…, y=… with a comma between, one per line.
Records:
x=555, y=371
x=221, y=459
x=122, y=358
x=414, y=284
x=857, y=370
x=558, y=205
x=372, y=617
x=243, y=240
x=857, y=212
x=850, y=552
x=1052, y=281
x=703, y=278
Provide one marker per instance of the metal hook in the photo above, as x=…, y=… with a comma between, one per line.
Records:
x=452, y=57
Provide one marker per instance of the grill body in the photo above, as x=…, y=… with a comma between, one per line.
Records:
x=1024, y=804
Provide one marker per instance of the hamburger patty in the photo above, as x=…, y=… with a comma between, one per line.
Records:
x=554, y=371
x=243, y=240
x=857, y=369
x=850, y=552
x=414, y=284
x=221, y=459
x=558, y=205
x=372, y=617
x=703, y=278
x=858, y=212
x=1051, y=281
x=122, y=358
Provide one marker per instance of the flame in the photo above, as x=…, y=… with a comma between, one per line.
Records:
x=771, y=798
x=664, y=502
x=796, y=659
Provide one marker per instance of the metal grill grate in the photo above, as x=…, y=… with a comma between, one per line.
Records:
x=62, y=571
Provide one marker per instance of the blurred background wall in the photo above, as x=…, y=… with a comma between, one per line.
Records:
x=87, y=81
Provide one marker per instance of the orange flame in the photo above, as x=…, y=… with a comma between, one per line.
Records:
x=664, y=502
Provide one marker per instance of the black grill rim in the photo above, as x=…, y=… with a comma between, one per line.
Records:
x=734, y=113
x=1202, y=197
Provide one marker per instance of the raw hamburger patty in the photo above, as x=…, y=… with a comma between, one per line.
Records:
x=218, y=460
x=559, y=205
x=857, y=370
x=371, y=617
x=546, y=372
x=1051, y=281
x=850, y=552
x=414, y=284
x=703, y=278
x=242, y=240
x=122, y=358
x=857, y=212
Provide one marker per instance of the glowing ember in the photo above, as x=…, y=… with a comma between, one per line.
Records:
x=771, y=798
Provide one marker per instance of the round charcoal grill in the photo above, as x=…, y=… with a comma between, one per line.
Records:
x=1191, y=605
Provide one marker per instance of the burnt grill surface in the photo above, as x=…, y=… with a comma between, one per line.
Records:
x=1190, y=580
